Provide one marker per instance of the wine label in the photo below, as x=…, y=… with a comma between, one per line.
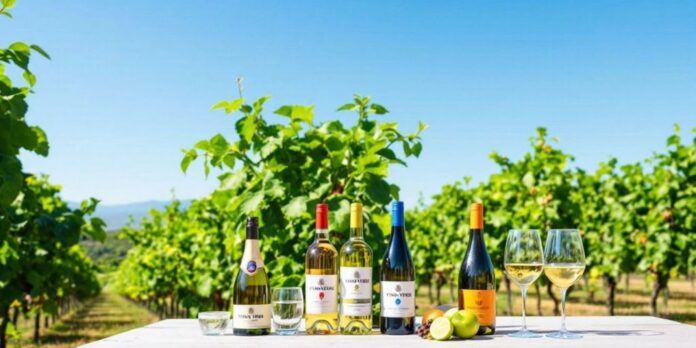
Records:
x=251, y=260
x=481, y=302
x=398, y=299
x=320, y=293
x=356, y=284
x=252, y=316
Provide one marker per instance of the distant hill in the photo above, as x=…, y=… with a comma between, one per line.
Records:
x=117, y=215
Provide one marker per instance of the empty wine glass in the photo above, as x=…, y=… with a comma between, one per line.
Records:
x=524, y=260
x=288, y=307
x=565, y=263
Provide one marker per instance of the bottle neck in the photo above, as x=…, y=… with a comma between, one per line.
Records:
x=322, y=234
x=476, y=236
x=398, y=234
x=356, y=233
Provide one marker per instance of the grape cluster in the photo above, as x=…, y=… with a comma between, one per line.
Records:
x=423, y=331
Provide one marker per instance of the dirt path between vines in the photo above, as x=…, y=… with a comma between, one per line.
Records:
x=100, y=317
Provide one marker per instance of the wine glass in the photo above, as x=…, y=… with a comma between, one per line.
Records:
x=524, y=260
x=565, y=263
x=288, y=306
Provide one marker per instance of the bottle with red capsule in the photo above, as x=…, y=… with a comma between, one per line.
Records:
x=321, y=279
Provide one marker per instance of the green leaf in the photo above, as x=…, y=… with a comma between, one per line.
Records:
x=378, y=190
x=189, y=156
x=248, y=127
x=41, y=147
x=378, y=109
x=20, y=47
x=252, y=203
x=296, y=208
x=40, y=51
x=348, y=107
x=297, y=113
x=229, y=106
x=416, y=149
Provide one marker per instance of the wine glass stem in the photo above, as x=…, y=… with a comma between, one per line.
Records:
x=524, y=308
x=563, y=315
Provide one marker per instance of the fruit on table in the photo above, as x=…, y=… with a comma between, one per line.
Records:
x=423, y=331
x=441, y=329
x=450, y=312
x=465, y=323
x=431, y=314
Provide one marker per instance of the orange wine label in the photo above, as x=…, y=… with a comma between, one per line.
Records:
x=481, y=302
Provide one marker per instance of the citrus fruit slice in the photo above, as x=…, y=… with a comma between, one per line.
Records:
x=441, y=329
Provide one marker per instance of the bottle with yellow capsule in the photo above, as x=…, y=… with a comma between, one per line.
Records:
x=355, y=276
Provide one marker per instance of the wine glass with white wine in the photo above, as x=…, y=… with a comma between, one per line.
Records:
x=565, y=263
x=524, y=260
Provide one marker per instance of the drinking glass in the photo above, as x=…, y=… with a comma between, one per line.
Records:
x=287, y=306
x=565, y=263
x=524, y=260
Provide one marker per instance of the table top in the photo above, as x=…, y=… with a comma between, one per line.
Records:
x=615, y=332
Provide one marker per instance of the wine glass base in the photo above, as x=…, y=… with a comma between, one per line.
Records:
x=524, y=334
x=566, y=335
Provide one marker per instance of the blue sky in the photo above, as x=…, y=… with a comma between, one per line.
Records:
x=131, y=82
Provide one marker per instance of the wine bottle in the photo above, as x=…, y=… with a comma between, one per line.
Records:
x=397, y=281
x=252, y=296
x=476, y=276
x=321, y=279
x=356, y=279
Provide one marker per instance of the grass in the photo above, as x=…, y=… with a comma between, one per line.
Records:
x=636, y=301
x=103, y=316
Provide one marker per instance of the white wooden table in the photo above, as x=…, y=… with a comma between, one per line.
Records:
x=614, y=332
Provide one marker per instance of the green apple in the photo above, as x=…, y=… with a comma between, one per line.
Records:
x=465, y=323
x=450, y=312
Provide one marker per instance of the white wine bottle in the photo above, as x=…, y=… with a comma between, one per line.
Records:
x=356, y=279
x=321, y=280
x=477, y=277
x=397, y=315
x=252, y=296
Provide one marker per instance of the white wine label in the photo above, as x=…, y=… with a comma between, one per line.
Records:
x=251, y=260
x=398, y=299
x=356, y=283
x=320, y=293
x=252, y=316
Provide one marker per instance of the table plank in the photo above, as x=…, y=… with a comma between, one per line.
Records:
x=615, y=332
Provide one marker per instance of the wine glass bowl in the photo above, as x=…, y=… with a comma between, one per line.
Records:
x=565, y=264
x=524, y=261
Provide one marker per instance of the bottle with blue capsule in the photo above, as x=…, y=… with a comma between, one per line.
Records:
x=397, y=281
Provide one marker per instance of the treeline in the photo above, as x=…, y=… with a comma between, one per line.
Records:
x=43, y=270
x=635, y=217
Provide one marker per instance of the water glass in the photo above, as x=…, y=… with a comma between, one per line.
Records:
x=288, y=305
x=213, y=323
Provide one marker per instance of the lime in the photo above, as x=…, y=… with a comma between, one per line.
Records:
x=465, y=323
x=450, y=312
x=441, y=329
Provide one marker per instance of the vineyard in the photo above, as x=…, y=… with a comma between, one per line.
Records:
x=636, y=219
x=43, y=270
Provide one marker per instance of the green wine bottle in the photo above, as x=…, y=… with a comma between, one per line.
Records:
x=252, y=297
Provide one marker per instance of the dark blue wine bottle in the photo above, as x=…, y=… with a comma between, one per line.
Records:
x=397, y=281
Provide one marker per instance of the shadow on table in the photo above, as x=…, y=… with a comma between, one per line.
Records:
x=504, y=330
